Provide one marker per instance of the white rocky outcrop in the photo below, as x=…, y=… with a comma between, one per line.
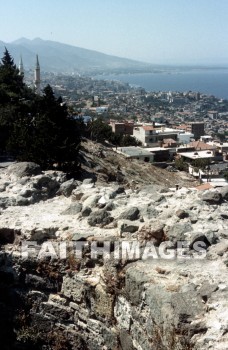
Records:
x=168, y=299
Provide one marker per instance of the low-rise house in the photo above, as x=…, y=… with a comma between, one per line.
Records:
x=185, y=137
x=222, y=147
x=196, y=155
x=212, y=114
x=151, y=135
x=161, y=154
x=122, y=128
x=201, y=146
x=134, y=152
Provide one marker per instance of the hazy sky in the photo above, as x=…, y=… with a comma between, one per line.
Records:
x=156, y=31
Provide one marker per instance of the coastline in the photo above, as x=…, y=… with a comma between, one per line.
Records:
x=210, y=82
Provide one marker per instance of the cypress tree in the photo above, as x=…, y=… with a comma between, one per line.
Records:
x=11, y=82
x=35, y=128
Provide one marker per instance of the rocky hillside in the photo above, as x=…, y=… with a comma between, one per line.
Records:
x=147, y=298
x=105, y=165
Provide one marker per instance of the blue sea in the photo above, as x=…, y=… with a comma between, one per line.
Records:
x=207, y=81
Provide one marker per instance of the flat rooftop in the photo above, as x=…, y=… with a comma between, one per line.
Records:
x=218, y=144
x=197, y=154
x=168, y=130
x=157, y=149
x=133, y=151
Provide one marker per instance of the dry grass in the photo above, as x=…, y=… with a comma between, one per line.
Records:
x=141, y=172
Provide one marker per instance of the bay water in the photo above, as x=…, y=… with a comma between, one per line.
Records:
x=207, y=81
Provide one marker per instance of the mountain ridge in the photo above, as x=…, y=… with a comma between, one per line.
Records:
x=60, y=57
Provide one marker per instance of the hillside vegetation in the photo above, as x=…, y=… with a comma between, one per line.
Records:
x=105, y=165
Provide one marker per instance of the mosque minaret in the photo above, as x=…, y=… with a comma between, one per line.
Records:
x=37, y=76
x=21, y=67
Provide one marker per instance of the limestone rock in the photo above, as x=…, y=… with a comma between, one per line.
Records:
x=91, y=201
x=103, y=201
x=122, y=312
x=119, y=190
x=181, y=214
x=212, y=197
x=126, y=340
x=177, y=231
x=130, y=214
x=42, y=234
x=103, y=302
x=224, y=192
x=6, y=202
x=110, y=206
x=22, y=201
x=76, y=195
x=58, y=311
x=127, y=226
x=207, y=289
x=73, y=288
x=86, y=211
x=2, y=188
x=67, y=187
x=149, y=211
x=219, y=249
x=46, y=187
x=22, y=169
x=177, y=303
x=26, y=193
x=88, y=181
x=73, y=209
x=100, y=217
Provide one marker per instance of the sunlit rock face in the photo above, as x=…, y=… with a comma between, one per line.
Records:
x=160, y=281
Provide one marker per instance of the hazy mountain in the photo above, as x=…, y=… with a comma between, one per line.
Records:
x=58, y=57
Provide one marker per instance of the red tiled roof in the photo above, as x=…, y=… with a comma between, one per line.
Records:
x=200, y=145
x=148, y=128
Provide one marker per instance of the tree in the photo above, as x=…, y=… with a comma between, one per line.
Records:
x=7, y=59
x=200, y=164
x=35, y=128
x=128, y=140
x=48, y=135
x=11, y=82
x=99, y=130
x=13, y=94
x=181, y=165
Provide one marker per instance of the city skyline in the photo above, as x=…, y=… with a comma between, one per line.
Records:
x=166, y=32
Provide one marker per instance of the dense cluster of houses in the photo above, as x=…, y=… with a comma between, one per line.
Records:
x=205, y=157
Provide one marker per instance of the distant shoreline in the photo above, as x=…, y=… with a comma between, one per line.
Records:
x=158, y=70
x=207, y=81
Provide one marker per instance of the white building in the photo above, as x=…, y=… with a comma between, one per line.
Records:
x=185, y=137
x=150, y=135
x=208, y=154
x=134, y=152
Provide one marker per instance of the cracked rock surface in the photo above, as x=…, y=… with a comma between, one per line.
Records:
x=177, y=301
